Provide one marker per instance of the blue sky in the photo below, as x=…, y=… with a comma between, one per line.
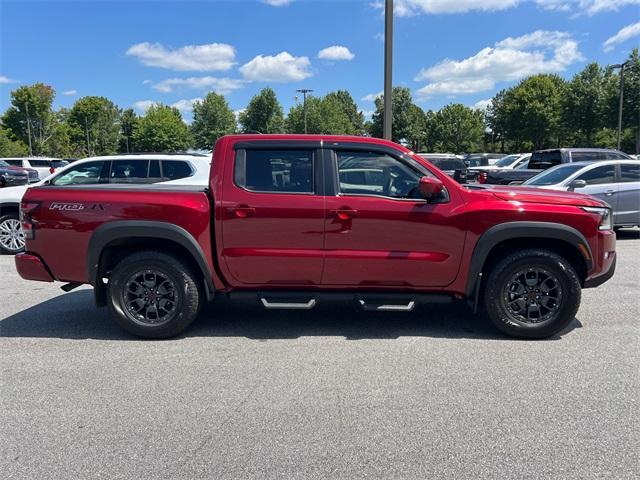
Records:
x=174, y=52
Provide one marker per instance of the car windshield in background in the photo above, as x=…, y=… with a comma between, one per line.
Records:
x=506, y=161
x=4, y=164
x=554, y=175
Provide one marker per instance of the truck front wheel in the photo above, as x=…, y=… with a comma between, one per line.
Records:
x=532, y=294
x=154, y=295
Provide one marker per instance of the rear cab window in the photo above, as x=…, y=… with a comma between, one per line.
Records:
x=275, y=171
x=545, y=159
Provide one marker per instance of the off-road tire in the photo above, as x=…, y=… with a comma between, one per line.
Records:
x=188, y=297
x=497, y=293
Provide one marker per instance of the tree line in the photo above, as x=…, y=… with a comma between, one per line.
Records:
x=540, y=111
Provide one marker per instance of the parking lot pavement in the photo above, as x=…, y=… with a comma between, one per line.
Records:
x=331, y=393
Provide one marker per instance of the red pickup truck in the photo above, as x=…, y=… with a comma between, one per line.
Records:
x=290, y=220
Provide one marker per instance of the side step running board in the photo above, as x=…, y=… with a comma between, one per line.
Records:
x=288, y=305
x=376, y=307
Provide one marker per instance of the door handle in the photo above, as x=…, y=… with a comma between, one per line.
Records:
x=344, y=213
x=608, y=193
x=242, y=211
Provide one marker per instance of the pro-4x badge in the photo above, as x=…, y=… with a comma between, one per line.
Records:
x=67, y=207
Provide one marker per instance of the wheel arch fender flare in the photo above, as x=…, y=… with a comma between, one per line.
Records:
x=130, y=229
x=513, y=230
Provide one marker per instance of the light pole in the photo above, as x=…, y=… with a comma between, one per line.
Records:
x=621, y=67
x=387, y=118
x=304, y=92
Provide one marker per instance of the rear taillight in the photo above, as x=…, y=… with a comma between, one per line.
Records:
x=482, y=177
x=27, y=209
x=52, y=170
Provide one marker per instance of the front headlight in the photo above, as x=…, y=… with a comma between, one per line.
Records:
x=606, y=219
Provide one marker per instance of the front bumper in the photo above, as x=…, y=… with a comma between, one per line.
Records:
x=604, y=260
x=31, y=267
x=15, y=181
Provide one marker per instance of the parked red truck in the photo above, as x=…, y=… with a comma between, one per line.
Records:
x=289, y=220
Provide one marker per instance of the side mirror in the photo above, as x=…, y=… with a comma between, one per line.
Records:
x=430, y=187
x=577, y=184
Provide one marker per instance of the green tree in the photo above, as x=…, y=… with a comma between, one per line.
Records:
x=402, y=114
x=294, y=122
x=95, y=126
x=128, y=123
x=30, y=117
x=459, y=128
x=534, y=111
x=212, y=118
x=263, y=114
x=350, y=109
x=10, y=147
x=584, y=105
x=497, y=121
x=161, y=129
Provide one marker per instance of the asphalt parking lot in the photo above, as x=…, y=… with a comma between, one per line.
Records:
x=331, y=393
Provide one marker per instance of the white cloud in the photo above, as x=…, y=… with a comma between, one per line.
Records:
x=590, y=7
x=70, y=92
x=185, y=105
x=336, y=52
x=371, y=97
x=409, y=8
x=283, y=67
x=143, y=105
x=623, y=35
x=222, y=86
x=6, y=80
x=508, y=60
x=277, y=3
x=482, y=104
x=146, y=82
x=210, y=57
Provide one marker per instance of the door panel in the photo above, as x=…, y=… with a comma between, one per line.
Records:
x=273, y=218
x=628, y=211
x=373, y=239
x=601, y=184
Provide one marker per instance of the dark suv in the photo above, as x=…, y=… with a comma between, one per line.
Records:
x=12, y=176
x=543, y=159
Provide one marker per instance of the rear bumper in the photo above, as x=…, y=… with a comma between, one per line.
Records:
x=31, y=267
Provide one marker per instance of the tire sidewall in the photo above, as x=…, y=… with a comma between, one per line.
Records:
x=3, y=218
x=117, y=283
x=499, y=313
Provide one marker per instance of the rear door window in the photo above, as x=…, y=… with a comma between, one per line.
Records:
x=284, y=171
x=13, y=163
x=546, y=159
x=129, y=171
x=630, y=172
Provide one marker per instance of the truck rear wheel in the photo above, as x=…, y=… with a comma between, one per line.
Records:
x=154, y=295
x=532, y=294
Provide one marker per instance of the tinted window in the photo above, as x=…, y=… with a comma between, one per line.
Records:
x=40, y=163
x=506, y=161
x=449, y=164
x=85, y=174
x=129, y=171
x=275, y=170
x=599, y=175
x=588, y=156
x=59, y=163
x=175, y=169
x=630, y=172
x=372, y=173
x=14, y=163
x=545, y=159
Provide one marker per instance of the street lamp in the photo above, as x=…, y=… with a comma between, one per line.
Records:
x=388, y=64
x=621, y=67
x=304, y=92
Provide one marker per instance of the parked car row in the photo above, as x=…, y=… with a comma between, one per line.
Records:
x=43, y=166
x=118, y=169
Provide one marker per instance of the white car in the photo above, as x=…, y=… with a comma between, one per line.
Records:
x=43, y=165
x=515, y=160
x=116, y=169
x=616, y=182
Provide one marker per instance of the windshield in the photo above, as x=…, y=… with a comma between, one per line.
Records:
x=554, y=175
x=506, y=161
x=3, y=164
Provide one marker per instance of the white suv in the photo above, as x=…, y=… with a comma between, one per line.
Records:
x=115, y=169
